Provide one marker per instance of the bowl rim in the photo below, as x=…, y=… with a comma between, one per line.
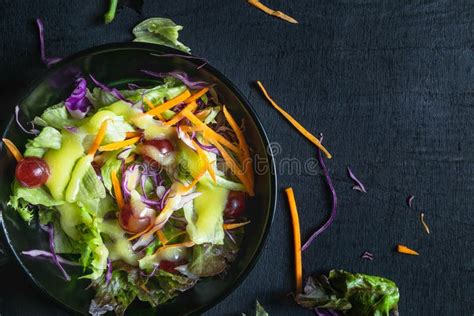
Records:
x=236, y=91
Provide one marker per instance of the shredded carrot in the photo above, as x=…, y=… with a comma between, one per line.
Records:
x=406, y=250
x=118, y=145
x=203, y=114
x=422, y=218
x=267, y=10
x=296, y=239
x=234, y=168
x=12, y=149
x=190, y=129
x=117, y=189
x=98, y=138
x=179, y=116
x=130, y=159
x=234, y=225
x=143, y=232
x=132, y=134
x=295, y=123
x=197, y=95
x=169, y=104
x=246, y=161
x=162, y=237
x=187, y=188
x=185, y=244
x=205, y=160
x=209, y=133
x=149, y=103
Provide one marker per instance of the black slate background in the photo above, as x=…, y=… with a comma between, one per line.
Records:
x=389, y=83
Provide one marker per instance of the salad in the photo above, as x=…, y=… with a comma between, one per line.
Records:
x=144, y=188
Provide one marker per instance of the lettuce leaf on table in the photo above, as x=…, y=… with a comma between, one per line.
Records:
x=353, y=294
x=160, y=31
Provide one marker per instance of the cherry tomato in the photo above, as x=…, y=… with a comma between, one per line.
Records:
x=32, y=172
x=163, y=145
x=132, y=223
x=169, y=266
x=236, y=203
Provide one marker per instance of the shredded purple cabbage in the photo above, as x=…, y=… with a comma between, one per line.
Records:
x=208, y=148
x=181, y=76
x=134, y=86
x=108, y=274
x=32, y=131
x=334, y=203
x=77, y=104
x=36, y=253
x=205, y=61
x=163, y=199
x=359, y=185
x=325, y=312
x=410, y=199
x=48, y=61
x=367, y=255
x=53, y=252
x=112, y=91
x=71, y=129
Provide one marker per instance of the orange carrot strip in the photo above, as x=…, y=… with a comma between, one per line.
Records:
x=132, y=134
x=267, y=10
x=185, y=244
x=197, y=95
x=12, y=149
x=143, y=232
x=203, y=114
x=204, y=158
x=234, y=167
x=130, y=159
x=209, y=133
x=246, y=161
x=405, y=250
x=234, y=225
x=170, y=103
x=295, y=123
x=296, y=239
x=98, y=138
x=179, y=116
x=162, y=237
x=187, y=188
x=117, y=189
x=149, y=103
x=118, y=145
x=190, y=129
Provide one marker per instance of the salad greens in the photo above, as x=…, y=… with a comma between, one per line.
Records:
x=160, y=31
x=128, y=187
x=353, y=294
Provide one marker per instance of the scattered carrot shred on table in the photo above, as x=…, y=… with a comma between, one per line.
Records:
x=296, y=239
x=12, y=149
x=117, y=190
x=295, y=123
x=267, y=10
x=422, y=219
x=98, y=138
x=118, y=145
x=405, y=250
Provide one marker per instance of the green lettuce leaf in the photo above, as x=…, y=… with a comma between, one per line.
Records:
x=48, y=138
x=111, y=164
x=208, y=260
x=259, y=310
x=22, y=197
x=127, y=283
x=354, y=294
x=55, y=116
x=159, y=31
x=100, y=98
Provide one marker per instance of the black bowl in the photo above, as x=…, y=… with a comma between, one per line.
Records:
x=115, y=65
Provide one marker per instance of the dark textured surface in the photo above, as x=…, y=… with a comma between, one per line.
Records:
x=391, y=85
